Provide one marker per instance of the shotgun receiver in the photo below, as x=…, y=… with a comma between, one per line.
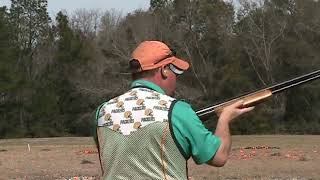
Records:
x=256, y=97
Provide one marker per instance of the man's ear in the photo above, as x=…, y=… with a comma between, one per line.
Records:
x=164, y=72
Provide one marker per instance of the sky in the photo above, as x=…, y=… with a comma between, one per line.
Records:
x=125, y=6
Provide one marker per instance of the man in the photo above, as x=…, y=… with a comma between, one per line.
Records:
x=147, y=134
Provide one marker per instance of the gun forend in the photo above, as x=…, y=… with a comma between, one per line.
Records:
x=249, y=100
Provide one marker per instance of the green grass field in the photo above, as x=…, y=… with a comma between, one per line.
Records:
x=252, y=157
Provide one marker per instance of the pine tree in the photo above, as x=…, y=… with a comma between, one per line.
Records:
x=30, y=27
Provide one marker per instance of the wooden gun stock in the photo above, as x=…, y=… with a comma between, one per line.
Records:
x=256, y=97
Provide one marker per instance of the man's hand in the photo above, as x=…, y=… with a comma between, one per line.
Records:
x=233, y=111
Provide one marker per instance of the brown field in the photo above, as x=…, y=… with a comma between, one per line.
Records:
x=253, y=157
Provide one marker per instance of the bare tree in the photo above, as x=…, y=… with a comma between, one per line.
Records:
x=87, y=21
x=261, y=29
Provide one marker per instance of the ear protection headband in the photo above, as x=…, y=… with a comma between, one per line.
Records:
x=173, y=68
x=176, y=70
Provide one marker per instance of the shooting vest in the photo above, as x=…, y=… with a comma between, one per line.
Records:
x=136, y=139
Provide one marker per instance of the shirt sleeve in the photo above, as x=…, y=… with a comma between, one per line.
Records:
x=193, y=138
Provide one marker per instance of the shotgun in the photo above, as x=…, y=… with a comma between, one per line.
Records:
x=256, y=97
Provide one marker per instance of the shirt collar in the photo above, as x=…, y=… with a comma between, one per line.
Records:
x=147, y=84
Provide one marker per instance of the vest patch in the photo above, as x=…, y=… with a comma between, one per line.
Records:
x=126, y=121
x=117, y=110
x=112, y=102
x=109, y=123
x=148, y=119
x=161, y=108
x=139, y=108
x=131, y=98
x=153, y=97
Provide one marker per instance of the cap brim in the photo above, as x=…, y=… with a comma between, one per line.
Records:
x=179, y=63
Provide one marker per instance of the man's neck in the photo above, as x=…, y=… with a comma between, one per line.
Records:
x=155, y=81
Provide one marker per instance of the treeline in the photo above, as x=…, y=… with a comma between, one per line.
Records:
x=54, y=73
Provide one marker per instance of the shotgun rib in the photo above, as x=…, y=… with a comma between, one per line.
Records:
x=256, y=97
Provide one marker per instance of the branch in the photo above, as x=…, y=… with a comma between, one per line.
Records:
x=254, y=67
x=193, y=70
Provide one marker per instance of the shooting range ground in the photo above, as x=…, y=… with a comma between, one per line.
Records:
x=252, y=157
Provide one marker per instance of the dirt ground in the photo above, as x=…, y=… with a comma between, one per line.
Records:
x=253, y=157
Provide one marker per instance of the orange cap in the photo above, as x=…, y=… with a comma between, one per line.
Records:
x=154, y=54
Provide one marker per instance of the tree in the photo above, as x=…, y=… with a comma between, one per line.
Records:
x=6, y=53
x=301, y=51
x=30, y=22
x=261, y=29
x=8, y=79
x=68, y=71
x=158, y=4
x=86, y=21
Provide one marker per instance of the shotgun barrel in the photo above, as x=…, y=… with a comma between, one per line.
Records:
x=256, y=97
